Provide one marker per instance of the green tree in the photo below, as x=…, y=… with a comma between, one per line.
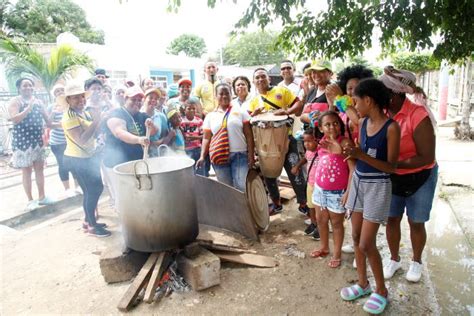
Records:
x=43, y=20
x=190, y=44
x=346, y=27
x=20, y=59
x=415, y=62
x=251, y=49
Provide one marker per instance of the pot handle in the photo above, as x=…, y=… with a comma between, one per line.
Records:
x=143, y=181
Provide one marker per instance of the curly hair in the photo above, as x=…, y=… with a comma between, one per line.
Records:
x=374, y=89
x=353, y=72
x=244, y=79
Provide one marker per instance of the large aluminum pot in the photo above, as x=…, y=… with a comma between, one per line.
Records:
x=156, y=202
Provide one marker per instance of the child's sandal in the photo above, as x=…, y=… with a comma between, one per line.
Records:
x=334, y=263
x=355, y=291
x=375, y=304
x=319, y=254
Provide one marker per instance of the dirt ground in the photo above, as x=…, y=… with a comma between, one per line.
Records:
x=53, y=268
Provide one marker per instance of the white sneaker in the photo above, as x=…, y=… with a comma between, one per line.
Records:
x=349, y=248
x=307, y=221
x=33, y=204
x=390, y=268
x=71, y=193
x=414, y=272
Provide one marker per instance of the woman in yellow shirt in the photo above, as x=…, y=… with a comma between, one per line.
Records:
x=80, y=128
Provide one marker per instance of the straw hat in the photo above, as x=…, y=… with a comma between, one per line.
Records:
x=73, y=87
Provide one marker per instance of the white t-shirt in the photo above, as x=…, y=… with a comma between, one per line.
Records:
x=294, y=87
x=235, y=123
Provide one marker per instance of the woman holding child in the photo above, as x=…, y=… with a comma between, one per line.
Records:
x=236, y=121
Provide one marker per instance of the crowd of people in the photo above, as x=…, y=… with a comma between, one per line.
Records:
x=369, y=149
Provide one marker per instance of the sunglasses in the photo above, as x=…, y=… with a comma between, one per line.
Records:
x=286, y=68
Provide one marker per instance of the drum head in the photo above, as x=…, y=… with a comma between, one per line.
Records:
x=257, y=200
x=268, y=117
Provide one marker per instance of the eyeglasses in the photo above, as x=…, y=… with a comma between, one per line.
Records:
x=286, y=68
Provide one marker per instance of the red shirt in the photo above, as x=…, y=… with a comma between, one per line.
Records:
x=409, y=116
x=192, y=128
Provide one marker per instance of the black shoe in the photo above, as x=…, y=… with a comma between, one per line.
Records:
x=85, y=226
x=310, y=229
x=316, y=235
x=304, y=209
x=274, y=209
x=98, y=231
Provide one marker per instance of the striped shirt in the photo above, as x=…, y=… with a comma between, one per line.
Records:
x=57, y=134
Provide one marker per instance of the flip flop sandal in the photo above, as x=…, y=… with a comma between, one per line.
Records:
x=319, y=254
x=334, y=263
x=375, y=304
x=355, y=291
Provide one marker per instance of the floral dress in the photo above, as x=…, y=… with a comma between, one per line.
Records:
x=27, y=141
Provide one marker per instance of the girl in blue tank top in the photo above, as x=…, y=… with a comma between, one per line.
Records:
x=371, y=189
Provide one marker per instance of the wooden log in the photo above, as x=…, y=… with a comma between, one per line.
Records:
x=211, y=246
x=155, y=279
x=248, y=259
x=137, y=285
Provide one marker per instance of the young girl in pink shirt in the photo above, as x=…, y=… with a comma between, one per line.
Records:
x=333, y=174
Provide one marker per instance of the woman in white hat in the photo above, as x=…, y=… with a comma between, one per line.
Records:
x=414, y=182
x=80, y=127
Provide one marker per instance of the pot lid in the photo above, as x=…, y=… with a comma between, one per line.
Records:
x=257, y=200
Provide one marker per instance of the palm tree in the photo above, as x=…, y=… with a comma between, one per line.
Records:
x=20, y=59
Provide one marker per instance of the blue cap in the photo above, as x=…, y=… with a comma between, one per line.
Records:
x=173, y=90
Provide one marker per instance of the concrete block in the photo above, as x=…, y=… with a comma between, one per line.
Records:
x=192, y=250
x=202, y=271
x=119, y=264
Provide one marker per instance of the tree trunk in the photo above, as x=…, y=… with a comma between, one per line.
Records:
x=465, y=127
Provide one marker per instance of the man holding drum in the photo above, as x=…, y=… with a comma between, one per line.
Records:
x=280, y=101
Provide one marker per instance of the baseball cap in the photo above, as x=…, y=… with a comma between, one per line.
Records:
x=153, y=90
x=171, y=114
x=185, y=81
x=319, y=65
x=173, y=91
x=101, y=71
x=133, y=91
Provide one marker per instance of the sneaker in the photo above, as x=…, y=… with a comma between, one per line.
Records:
x=307, y=221
x=303, y=209
x=46, y=201
x=414, y=272
x=70, y=193
x=32, y=205
x=85, y=226
x=316, y=235
x=98, y=232
x=310, y=229
x=274, y=209
x=349, y=248
x=390, y=268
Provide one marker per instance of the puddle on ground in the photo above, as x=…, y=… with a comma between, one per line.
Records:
x=450, y=261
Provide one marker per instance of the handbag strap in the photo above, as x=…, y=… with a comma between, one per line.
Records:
x=226, y=115
x=270, y=102
x=312, y=162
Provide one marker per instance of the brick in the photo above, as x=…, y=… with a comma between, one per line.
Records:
x=119, y=264
x=202, y=271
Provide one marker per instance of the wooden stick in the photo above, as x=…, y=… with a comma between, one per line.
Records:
x=155, y=279
x=137, y=285
x=145, y=148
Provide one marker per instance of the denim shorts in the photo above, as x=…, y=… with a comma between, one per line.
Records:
x=418, y=205
x=329, y=199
